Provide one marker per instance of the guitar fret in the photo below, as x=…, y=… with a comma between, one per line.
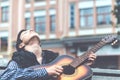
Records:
x=98, y=46
x=76, y=62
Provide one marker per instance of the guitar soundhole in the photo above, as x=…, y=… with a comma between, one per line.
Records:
x=67, y=69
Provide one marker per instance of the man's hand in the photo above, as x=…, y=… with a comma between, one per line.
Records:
x=91, y=58
x=54, y=70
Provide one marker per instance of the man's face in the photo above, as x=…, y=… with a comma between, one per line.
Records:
x=27, y=35
x=30, y=41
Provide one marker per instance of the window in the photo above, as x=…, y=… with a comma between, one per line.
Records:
x=4, y=0
x=103, y=15
x=28, y=1
x=27, y=23
x=39, y=0
x=40, y=24
x=72, y=15
x=3, y=43
x=86, y=17
x=5, y=14
x=52, y=23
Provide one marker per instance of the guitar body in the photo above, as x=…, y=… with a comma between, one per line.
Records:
x=80, y=73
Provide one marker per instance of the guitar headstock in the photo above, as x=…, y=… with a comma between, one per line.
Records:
x=110, y=39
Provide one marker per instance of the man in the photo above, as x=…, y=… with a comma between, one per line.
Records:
x=29, y=54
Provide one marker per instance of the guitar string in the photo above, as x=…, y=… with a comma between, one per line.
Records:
x=85, y=56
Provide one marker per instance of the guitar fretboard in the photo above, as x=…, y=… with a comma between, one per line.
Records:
x=77, y=61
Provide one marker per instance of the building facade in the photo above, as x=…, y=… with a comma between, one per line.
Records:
x=65, y=26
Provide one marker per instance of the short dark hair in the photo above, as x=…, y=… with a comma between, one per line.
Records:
x=19, y=40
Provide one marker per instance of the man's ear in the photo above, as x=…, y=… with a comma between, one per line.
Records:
x=21, y=45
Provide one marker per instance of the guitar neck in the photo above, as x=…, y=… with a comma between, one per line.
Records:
x=77, y=61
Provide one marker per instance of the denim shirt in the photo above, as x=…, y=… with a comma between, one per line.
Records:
x=13, y=72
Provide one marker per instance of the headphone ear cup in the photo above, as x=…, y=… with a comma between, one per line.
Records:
x=21, y=45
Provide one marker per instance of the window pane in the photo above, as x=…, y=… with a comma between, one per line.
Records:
x=90, y=21
x=108, y=19
x=82, y=21
x=40, y=24
x=28, y=1
x=52, y=23
x=72, y=15
x=86, y=17
x=100, y=19
x=4, y=0
x=39, y=0
x=27, y=23
x=5, y=14
x=103, y=15
x=3, y=43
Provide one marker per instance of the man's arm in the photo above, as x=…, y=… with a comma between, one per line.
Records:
x=31, y=74
x=14, y=72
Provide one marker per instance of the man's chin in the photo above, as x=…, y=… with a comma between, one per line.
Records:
x=34, y=37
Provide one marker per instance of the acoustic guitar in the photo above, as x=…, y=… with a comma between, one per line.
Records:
x=74, y=68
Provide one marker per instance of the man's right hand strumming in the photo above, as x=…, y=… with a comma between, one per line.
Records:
x=54, y=70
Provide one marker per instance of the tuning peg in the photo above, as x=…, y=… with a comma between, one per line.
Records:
x=113, y=43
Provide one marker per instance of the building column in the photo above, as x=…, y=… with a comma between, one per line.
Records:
x=21, y=11
x=66, y=16
x=57, y=19
x=32, y=22
x=11, y=11
x=94, y=16
x=47, y=19
x=0, y=43
x=13, y=24
x=77, y=18
x=0, y=13
x=60, y=28
x=113, y=17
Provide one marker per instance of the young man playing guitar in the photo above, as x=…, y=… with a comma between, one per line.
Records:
x=29, y=54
